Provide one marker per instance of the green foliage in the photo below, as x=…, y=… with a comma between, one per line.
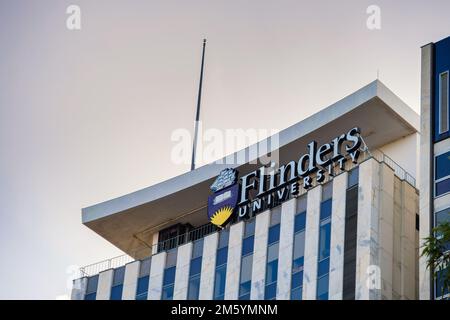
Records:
x=436, y=250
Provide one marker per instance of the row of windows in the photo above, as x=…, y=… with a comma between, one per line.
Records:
x=298, y=256
x=270, y=292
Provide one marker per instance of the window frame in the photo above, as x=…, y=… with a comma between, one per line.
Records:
x=440, y=103
x=436, y=181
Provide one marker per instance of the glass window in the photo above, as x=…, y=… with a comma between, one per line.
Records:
x=353, y=177
x=246, y=268
x=116, y=292
x=270, y=291
x=194, y=288
x=247, y=245
x=169, y=276
x=244, y=290
x=90, y=296
x=443, y=102
x=297, y=264
x=322, y=288
x=222, y=255
x=171, y=258
x=219, y=282
x=296, y=294
x=325, y=209
x=327, y=191
x=301, y=203
x=442, y=187
x=197, y=248
x=272, y=271
x=144, y=267
x=142, y=288
x=196, y=266
x=323, y=268
x=274, y=234
x=275, y=216
x=297, y=279
x=167, y=293
x=442, y=165
x=324, y=241
x=118, y=276
x=300, y=221
x=272, y=252
x=249, y=228
x=299, y=245
x=223, y=238
x=91, y=289
x=442, y=216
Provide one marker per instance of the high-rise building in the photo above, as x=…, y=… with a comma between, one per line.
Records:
x=434, y=154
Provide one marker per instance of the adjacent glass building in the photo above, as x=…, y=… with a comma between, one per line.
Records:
x=351, y=235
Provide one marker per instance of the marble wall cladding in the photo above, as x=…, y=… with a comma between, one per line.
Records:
x=425, y=165
x=311, y=243
x=337, y=237
x=79, y=289
x=130, y=280
x=156, y=276
x=105, y=279
x=368, y=285
x=208, y=266
x=182, y=274
x=288, y=211
x=234, y=261
x=260, y=256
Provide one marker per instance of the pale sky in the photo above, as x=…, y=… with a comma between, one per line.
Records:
x=87, y=115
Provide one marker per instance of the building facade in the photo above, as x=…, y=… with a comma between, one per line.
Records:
x=434, y=153
x=336, y=218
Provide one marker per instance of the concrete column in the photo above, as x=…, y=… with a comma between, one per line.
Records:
x=156, y=276
x=155, y=240
x=367, y=259
x=385, y=249
x=234, y=261
x=311, y=243
x=408, y=262
x=336, y=283
x=182, y=275
x=425, y=166
x=208, y=266
x=130, y=280
x=260, y=256
x=79, y=289
x=105, y=279
x=286, y=250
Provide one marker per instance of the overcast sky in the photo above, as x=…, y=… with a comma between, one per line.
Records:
x=87, y=115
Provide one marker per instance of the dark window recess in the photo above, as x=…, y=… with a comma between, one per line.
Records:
x=173, y=236
x=351, y=221
x=417, y=222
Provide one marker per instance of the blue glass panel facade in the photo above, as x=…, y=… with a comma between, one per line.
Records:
x=441, y=65
x=142, y=288
x=272, y=261
x=323, y=265
x=116, y=292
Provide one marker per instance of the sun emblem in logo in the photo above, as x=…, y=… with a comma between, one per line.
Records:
x=222, y=203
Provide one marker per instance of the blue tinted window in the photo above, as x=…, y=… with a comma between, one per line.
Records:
x=169, y=276
x=194, y=288
x=442, y=187
x=325, y=209
x=443, y=165
x=300, y=222
x=322, y=288
x=297, y=279
x=142, y=288
x=271, y=291
x=116, y=292
x=90, y=296
x=274, y=234
x=247, y=245
x=244, y=290
x=297, y=264
x=219, y=282
x=222, y=255
x=296, y=294
x=440, y=291
x=324, y=241
x=167, y=293
x=353, y=177
x=324, y=266
x=272, y=271
x=442, y=216
x=196, y=266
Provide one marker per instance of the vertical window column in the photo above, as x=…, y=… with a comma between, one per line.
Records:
x=298, y=257
x=91, y=288
x=273, y=242
x=143, y=279
x=443, y=103
x=117, y=284
x=169, y=275
x=221, y=265
x=195, y=270
x=439, y=291
x=323, y=267
x=245, y=281
x=442, y=174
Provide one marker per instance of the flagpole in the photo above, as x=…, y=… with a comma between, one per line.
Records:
x=197, y=117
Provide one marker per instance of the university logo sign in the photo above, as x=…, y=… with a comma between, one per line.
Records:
x=268, y=187
x=222, y=203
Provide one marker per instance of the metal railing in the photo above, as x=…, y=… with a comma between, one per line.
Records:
x=204, y=230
